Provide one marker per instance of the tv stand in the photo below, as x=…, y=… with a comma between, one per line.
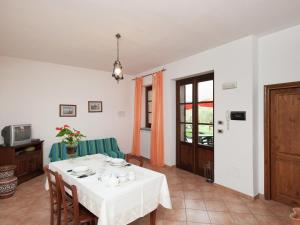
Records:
x=29, y=162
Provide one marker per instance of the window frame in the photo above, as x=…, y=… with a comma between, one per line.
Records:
x=147, y=89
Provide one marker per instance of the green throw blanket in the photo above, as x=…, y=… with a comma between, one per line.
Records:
x=106, y=146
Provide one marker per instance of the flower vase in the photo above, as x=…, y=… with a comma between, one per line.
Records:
x=71, y=151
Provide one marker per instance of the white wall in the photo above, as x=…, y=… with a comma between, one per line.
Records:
x=234, y=148
x=252, y=62
x=279, y=62
x=31, y=92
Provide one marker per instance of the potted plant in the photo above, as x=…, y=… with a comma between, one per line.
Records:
x=70, y=137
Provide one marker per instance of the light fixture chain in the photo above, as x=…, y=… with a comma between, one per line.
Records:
x=118, y=49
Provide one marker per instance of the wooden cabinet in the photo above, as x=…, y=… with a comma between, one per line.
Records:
x=29, y=163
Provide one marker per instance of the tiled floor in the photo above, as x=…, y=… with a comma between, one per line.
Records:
x=195, y=202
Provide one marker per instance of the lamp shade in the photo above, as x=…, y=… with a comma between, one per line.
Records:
x=117, y=71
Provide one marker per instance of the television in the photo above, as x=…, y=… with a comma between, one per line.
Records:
x=16, y=134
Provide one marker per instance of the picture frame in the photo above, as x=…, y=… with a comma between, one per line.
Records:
x=95, y=106
x=66, y=110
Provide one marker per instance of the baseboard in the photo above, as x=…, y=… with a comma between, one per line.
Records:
x=243, y=195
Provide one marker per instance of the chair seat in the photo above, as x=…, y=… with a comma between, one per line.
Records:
x=85, y=216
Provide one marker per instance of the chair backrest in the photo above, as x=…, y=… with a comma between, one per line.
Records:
x=69, y=201
x=138, y=159
x=54, y=187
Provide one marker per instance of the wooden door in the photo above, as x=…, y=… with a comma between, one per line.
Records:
x=204, y=151
x=195, y=123
x=283, y=142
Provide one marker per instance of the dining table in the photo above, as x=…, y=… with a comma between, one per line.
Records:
x=116, y=203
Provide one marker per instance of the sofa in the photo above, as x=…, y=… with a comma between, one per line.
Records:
x=107, y=146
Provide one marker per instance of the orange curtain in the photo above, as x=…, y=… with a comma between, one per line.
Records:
x=136, y=144
x=157, y=126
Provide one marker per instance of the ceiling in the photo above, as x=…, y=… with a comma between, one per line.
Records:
x=154, y=32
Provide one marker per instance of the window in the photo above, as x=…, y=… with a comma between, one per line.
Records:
x=148, y=110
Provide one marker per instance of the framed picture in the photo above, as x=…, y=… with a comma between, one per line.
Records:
x=95, y=106
x=67, y=110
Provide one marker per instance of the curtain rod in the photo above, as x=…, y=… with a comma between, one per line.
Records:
x=150, y=74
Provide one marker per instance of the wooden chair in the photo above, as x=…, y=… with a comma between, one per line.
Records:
x=139, y=159
x=55, y=195
x=74, y=213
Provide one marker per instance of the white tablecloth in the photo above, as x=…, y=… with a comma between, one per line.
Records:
x=118, y=205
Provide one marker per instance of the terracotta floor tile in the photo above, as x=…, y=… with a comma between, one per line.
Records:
x=281, y=210
x=175, y=215
x=178, y=203
x=169, y=222
x=221, y=218
x=237, y=207
x=198, y=216
x=257, y=204
x=269, y=220
x=176, y=187
x=209, y=188
x=218, y=206
x=243, y=219
x=211, y=196
x=178, y=194
x=193, y=195
x=232, y=198
x=192, y=187
x=175, y=181
x=192, y=223
x=194, y=204
x=264, y=211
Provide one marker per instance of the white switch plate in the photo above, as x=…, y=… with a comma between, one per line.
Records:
x=229, y=85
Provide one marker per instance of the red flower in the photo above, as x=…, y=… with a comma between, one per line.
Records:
x=66, y=126
x=77, y=132
x=58, y=128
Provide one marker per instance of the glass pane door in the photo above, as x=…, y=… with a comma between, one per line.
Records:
x=195, y=125
x=186, y=113
x=205, y=108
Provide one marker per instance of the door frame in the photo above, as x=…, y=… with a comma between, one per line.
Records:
x=210, y=75
x=267, y=131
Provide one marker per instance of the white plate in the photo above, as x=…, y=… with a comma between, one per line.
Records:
x=118, y=161
x=122, y=174
x=80, y=169
x=118, y=165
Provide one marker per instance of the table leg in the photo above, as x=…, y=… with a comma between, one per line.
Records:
x=153, y=217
